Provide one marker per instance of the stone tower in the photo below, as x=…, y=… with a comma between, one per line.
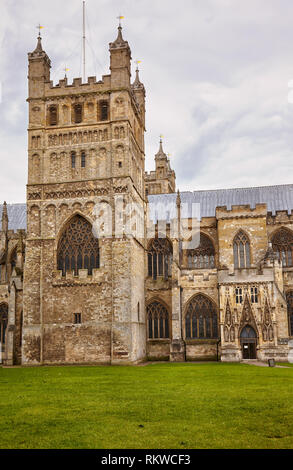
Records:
x=84, y=296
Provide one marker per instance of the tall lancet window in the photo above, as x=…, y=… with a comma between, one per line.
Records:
x=53, y=115
x=78, y=248
x=241, y=248
x=282, y=243
x=158, y=321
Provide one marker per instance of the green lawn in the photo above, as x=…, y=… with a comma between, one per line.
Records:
x=163, y=406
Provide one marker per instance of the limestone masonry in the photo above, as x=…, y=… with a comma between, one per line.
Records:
x=68, y=296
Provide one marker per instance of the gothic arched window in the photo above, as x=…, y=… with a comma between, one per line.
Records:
x=3, y=322
x=77, y=110
x=289, y=297
x=201, y=320
x=158, y=321
x=241, y=247
x=160, y=258
x=53, y=115
x=203, y=256
x=78, y=248
x=282, y=243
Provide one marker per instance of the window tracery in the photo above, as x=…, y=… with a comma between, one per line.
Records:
x=160, y=258
x=282, y=243
x=241, y=248
x=78, y=248
x=203, y=256
x=201, y=320
x=158, y=321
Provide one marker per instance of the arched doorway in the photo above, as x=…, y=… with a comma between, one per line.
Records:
x=248, y=340
x=3, y=327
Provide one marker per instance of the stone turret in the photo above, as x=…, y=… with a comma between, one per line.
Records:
x=39, y=70
x=162, y=180
x=4, y=218
x=120, y=57
x=139, y=93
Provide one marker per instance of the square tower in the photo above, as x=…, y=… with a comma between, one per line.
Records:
x=83, y=295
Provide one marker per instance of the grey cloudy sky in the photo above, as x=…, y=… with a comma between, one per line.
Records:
x=216, y=74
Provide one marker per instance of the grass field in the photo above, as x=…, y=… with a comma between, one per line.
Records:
x=163, y=406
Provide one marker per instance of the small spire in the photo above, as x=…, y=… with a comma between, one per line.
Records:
x=39, y=45
x=4, y=217
x=137, y=85
x=119, y=41
x=178, y=199
x=161, y=151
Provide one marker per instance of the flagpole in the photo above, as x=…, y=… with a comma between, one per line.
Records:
x=83, y=38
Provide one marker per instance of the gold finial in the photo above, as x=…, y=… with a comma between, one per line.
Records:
x=66, y=70
x=39, y=27
x=120, y=18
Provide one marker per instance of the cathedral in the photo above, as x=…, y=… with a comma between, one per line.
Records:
x=208, y=277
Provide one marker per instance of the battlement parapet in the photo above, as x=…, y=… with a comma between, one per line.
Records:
x=241, y=211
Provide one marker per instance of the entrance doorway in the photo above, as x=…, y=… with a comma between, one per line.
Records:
x=248, y=340
x=3, y=327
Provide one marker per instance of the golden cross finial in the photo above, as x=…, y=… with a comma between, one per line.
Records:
x=120, y=18
x=39, y=27
x=66, y=70
x=161, y=137
x=137, y=62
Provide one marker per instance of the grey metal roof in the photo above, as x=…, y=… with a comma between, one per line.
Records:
x=16, y=216
x=163, y=206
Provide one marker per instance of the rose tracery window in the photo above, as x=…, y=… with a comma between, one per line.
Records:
x=3, y=322
x=289, y=297
x=241, y=248
x=203, y=256
x=158, y=321
x=160, y=258
x=201, y=320
x=78, y=248
x=282, y=243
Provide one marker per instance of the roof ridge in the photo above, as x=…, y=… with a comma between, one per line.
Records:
x=243, y=188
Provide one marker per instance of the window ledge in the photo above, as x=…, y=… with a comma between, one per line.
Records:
x=202, y=341
x=159, y=340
